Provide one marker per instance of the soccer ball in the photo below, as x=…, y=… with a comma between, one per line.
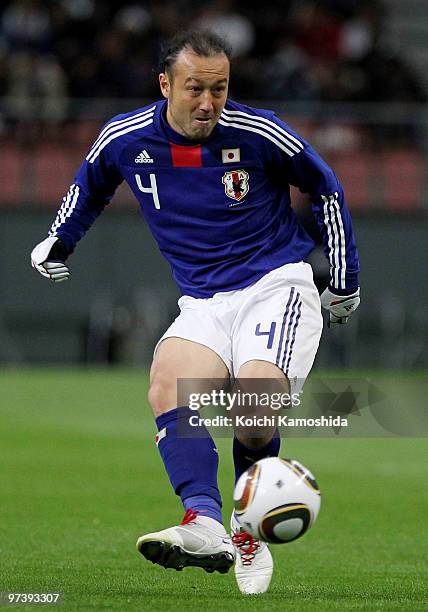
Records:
x=276, y=500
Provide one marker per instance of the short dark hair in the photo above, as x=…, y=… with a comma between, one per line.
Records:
x=202, y=42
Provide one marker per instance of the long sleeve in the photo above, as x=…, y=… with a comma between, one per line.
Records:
x=313, y=176
x=93, y=187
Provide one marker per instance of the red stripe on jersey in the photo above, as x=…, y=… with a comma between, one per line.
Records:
x=186, y=157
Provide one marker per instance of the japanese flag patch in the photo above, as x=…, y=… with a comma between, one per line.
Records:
x=229, y=156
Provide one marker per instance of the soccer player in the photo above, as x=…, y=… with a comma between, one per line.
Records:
x=213, y=177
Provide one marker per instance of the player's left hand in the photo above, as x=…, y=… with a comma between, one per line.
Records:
x=340, y=306
x=48, y=258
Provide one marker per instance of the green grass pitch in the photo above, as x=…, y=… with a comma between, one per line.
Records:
x=81, y=479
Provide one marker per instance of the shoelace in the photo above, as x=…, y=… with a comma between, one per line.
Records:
x=189, y=516
x=247, y=545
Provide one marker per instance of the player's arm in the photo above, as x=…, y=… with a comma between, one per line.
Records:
x=312, y=175
x=93, y=187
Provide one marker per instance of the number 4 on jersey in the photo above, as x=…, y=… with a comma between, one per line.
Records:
x=270, y=333
x=153, y=189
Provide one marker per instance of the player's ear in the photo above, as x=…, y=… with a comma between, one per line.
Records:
x=164, y=84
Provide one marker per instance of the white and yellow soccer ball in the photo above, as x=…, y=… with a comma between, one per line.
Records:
x=276, y=500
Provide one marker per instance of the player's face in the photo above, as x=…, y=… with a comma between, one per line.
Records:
x=196, y=92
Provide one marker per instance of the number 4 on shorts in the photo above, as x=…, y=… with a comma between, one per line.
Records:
x=270, y=333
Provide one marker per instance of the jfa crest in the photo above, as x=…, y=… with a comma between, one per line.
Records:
x=236, y=184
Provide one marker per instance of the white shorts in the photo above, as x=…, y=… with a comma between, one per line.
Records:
x=277, y=319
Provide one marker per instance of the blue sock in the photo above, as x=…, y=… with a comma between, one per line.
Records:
x=191, y=461
x=244, y=457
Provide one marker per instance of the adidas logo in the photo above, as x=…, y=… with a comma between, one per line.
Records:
x=143, y=158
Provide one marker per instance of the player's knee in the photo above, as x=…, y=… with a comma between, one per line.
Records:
x=162, y=394
x=255, y=442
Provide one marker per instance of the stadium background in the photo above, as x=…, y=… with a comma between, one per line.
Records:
x=76, y=443
x=342, y=73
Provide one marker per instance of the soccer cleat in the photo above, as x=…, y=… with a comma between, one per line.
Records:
x=199, y=541
x=254, y=563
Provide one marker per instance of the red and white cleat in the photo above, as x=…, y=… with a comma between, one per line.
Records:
x=254, y=563
x=199, y=541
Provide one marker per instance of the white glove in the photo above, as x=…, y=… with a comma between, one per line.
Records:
x=49, y=267
x=340, y=306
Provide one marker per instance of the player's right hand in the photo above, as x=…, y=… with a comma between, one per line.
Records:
x=48, y=258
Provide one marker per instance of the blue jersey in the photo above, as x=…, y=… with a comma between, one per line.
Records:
x=220, y=211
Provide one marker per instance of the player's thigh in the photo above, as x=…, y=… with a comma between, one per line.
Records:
x=197, y=367
x=259, y=368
